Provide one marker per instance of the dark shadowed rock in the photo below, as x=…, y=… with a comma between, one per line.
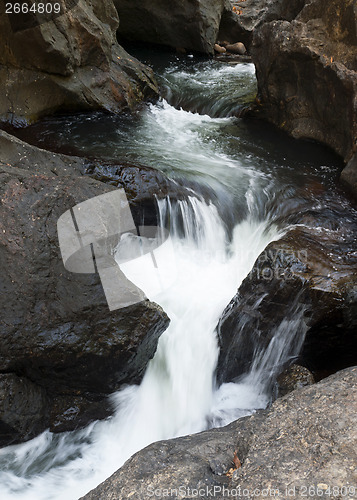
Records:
x=306, y=72
x=71, y=62
x=305, y=282
x=57, y=330
x=23, y=409
x=189, y=24
x=292, y=378
x=349, y=175
x=308, y=438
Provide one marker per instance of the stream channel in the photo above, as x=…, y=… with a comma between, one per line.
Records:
x=252, y=172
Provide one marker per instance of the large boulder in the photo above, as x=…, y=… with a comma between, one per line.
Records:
x=308, y=439
x=302, y=284
x=186, y=24
x=307, y=74
x=66, y=63
x=248, y=15
x=57, y=331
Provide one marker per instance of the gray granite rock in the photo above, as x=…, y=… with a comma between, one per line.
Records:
x=307, y=439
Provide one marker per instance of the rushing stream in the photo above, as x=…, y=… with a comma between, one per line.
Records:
x=253, y=171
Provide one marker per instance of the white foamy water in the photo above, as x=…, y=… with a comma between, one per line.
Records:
x=199, y=271
x=177, y=394
x=218, y=90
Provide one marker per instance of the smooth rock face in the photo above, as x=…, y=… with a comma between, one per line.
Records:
x=307, y=74
x=189, y=24
x=57, y=330
x=303, y=282
x=72, y=62
x=307, y=438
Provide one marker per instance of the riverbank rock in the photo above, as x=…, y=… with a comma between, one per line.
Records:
x=248, y=15
x=306, y=439
x=302, y=291
x=67, y=63
x=192, y=25
x=57, y=332
x=307, y=74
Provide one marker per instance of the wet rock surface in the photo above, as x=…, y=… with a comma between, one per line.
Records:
x=71, y=62
x=304, y=283
x=23, y=409
x=306, y=72
x=57, y=331
x=189, y=25
x=306, y=439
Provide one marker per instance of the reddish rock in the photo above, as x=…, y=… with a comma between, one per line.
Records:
x=71, y=62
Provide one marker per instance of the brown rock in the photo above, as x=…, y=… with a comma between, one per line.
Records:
x=219, y=49
x=236, y=48
x=254, y=13
x=70, y=62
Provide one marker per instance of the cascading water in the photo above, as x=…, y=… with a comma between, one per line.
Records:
x=177, y=393
x=199, y=269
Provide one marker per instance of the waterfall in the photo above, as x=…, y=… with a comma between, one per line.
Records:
x=199, y=268
x=177, y=396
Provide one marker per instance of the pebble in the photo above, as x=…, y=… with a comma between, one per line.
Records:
x=219, y=49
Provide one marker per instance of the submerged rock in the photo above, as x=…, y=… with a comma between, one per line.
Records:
x=57, y=331
x=307, y=74
x=306, y=439
x=71, y=62
x=192, y=25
